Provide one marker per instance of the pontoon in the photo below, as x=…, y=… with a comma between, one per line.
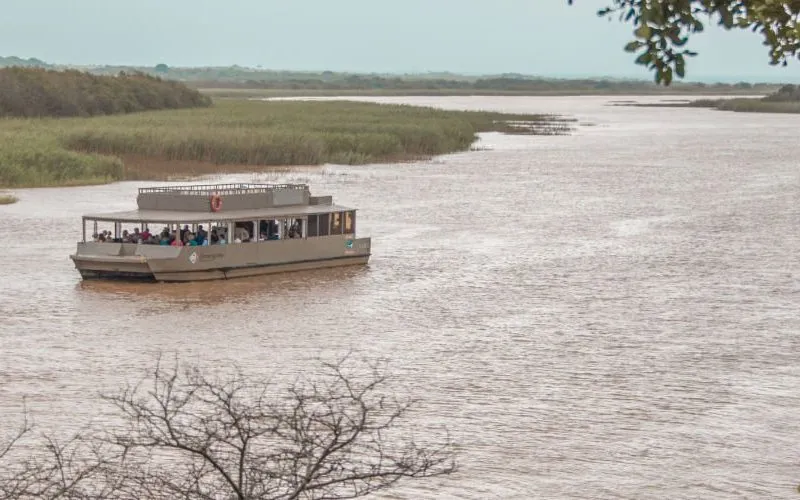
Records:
x=222, y=231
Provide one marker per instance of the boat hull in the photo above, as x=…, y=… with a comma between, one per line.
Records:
x=259, y=270
x=171, y=264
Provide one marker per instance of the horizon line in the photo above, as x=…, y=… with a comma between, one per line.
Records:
x=711, y=79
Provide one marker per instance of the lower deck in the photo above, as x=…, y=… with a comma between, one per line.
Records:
x=193, y=263
x=95, y=271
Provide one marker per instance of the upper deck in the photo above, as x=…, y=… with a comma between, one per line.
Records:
x=234, y=197
x=236, y=201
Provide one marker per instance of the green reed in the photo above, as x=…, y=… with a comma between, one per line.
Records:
x=46, y=152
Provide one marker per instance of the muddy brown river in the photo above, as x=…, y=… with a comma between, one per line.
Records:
x=612, y=314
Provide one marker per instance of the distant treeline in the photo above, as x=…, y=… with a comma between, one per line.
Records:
x=433, y=83
x=36, y=92
x=499, y=84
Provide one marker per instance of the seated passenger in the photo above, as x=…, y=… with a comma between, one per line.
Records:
x=241, y=234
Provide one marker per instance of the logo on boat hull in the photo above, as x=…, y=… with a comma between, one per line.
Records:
x=348, y=244
x=193, y=257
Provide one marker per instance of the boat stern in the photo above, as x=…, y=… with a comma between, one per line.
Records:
x=112, y=261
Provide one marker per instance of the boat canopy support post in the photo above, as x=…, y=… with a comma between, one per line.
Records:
x=83, y=223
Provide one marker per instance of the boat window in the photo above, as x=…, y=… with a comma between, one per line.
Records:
x=312, y=226
x=269, y=230
x=294, y=228
x=336, y=223
x=324, y=228
x=349, y=222
x=243, y=232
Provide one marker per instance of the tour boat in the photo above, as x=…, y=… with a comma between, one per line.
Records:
x=208, y=232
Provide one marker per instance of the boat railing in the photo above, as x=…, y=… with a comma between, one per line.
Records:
x=222, y=189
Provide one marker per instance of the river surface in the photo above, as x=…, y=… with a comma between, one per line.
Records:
x=611, y=314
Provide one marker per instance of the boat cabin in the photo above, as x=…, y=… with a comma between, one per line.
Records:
x=222, y=214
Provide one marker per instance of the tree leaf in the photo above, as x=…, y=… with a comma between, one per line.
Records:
x=633, y=46
x=644, y=58
x=680, y=66
x=667, y=76
x=643, y=32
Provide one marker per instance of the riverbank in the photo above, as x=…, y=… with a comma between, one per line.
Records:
x=236, y=136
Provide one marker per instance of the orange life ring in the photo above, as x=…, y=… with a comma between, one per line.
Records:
x=216, y=202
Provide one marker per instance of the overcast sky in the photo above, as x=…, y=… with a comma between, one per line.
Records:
x=539, y=37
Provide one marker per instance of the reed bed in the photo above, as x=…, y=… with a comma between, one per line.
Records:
x=8, y=199
x=241, y=136
x=758, y=106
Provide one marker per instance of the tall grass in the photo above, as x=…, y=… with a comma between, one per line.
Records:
x=242, y=135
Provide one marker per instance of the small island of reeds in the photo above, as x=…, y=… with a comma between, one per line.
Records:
x=7, y=199
x=784, y=100
x=240, y=136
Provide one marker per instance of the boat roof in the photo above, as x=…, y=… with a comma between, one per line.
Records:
x=221, y=189
x=172, y=216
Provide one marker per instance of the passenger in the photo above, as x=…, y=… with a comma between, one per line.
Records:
x=202, y=233
x=164, y=240
x=191, y=240
x=214, y=237
x=222, y=240
x=241, y=234
x=184, y=231
x=175, y=241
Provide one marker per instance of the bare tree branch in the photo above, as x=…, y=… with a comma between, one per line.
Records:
x=187, y=435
